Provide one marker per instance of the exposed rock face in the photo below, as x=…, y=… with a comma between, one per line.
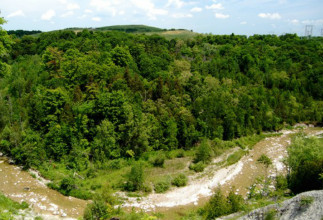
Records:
x=304, y=206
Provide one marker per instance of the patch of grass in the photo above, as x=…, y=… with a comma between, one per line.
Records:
x=162, y=186
x=305, y=202
x=270, y=215
x=8, y=207
x=235, y=157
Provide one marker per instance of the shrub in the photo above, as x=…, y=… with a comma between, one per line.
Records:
x=135, y=178
x=265, y=160
x=67, y=185
x=281, y=182
x=220, y=205
x=197, y=167
x=162, y=186
x=203, y=153
x=236, y=202
x=97, y=210
x=158, y=160
x=180, y=180
x=217, y=206
x=305, y=160
x=180, y=153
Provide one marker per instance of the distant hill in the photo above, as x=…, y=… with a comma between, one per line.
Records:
x=21, y=33
x=134, y=29
x=131, y=28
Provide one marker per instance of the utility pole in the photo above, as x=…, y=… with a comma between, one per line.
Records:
x=308, y=31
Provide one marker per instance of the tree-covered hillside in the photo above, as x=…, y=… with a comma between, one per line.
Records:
x=89, y=97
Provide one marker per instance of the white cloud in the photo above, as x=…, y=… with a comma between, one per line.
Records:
x=67, y=14
x=294, y=21
x=176, y=3
x=114, y=7
x=272, y=16
x=16, y=13
x=313, y=22
x=218, y=6
x=96, y=19
x=196, y=9
x=48, y=15
x=182, y=15
x=221, y=16
x=243, y=22
x=72, y=6
x=88, y=11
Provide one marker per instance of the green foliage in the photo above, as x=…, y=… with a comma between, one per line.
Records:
x=235, y=157
x=197, y=167
x=92, y=102
x=158, y=160
x=98, y=210
x=306, y=201
x=281, y=183
x=135, y=178
x=204, y=152
x=162, y=186
x=271, y=215
x=305, y=159
x=264, y=159
x=180, y=180
x=9, y=208
x=219, y=205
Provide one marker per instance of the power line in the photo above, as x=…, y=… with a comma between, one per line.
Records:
x=308, y=30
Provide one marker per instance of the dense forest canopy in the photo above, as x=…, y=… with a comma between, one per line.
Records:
x=88, y=97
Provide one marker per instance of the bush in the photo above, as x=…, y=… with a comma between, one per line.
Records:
x=281, y=183
x=197, y=167
x=162, y=186
x=135, y=178
x=204, y=152
x=235, y=201
x=217, y=206
x=265, y=160
x=67, y=185
x=97, y=210
x=180, y=180
x=305, y=159
x=220, y=205
x=158, y=160
x=180, y=153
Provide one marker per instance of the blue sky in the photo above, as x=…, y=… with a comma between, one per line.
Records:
x=246, y=17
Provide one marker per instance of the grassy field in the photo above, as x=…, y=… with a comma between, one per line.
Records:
x=9, y=208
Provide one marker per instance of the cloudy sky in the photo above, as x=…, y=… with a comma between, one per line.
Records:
x=206, y=16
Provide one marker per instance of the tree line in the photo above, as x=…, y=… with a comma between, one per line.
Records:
x=89, y=97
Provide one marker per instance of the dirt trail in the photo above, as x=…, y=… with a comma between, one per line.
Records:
x=21, y=186
x=240, y=175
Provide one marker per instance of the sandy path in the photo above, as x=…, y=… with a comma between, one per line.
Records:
x=240, y=175
x=20, y=186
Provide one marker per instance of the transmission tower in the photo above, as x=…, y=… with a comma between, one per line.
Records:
x=308, y=30
x=322, y=32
